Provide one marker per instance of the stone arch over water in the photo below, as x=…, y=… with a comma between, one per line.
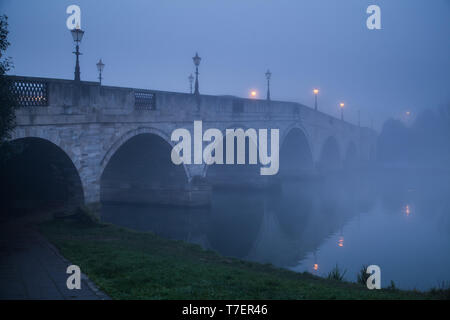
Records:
x=139, y=169
x=38, y=175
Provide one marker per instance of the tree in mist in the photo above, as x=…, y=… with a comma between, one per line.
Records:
x=7, y=100
x=427, y=137
x=392, y=141
x=425, y=143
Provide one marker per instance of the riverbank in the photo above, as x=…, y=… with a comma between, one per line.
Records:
x=126, y=264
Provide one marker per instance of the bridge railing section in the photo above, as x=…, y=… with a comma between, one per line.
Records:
x=144, y=100
x=30, y=93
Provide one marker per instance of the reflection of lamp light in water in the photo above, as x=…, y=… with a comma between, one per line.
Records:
x=407, y=210
x=341, y=242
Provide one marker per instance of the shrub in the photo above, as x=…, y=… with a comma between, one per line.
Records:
x=336, y=274
x=392, y=286
x=362, y=276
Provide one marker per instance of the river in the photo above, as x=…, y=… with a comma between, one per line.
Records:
x=398, y=220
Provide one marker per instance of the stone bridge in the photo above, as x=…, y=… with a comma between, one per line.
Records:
x=115, y=142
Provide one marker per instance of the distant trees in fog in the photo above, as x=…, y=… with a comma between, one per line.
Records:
x=425, y=143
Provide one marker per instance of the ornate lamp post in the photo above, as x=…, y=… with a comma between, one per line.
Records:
x=100, y=66
x=342, y=105
x=316, y=92
x=77, y=35
x=196, y=60
x=191, y=80
x=268, y=75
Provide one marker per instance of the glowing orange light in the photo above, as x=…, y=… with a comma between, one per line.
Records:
x=341, y=242
x=253, y=93
x=316, y=267
x=407, y=210
x=342, y=105
x=316, y=91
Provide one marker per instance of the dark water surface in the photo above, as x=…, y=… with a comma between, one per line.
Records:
x=398, y=221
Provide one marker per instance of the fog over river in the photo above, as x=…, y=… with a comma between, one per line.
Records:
x=398, y=220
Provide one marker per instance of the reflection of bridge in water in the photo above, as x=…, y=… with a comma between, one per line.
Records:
x=89, y=142
x=278, y=228
x=304, y=215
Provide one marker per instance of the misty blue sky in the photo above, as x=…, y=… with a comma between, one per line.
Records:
x=305, y=43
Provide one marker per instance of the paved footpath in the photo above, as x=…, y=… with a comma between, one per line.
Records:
x=31, y=268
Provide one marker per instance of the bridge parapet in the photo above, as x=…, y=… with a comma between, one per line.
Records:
x=65, y=101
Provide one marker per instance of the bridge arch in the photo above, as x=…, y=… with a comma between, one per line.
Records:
x=330, y=155
x=220, y=173
x=38, y=174
x=138, y=169
x=50, y=136
x=129, y=135
x=351, y=155
x=285, y=133
x=296, y=156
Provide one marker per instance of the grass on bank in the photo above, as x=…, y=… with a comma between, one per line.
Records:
x=134, y=265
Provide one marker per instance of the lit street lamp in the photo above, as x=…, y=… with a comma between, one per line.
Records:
x=316, y=92
x=77, y=35
x=191, y=80
x=196, y=60
x=342, y=105
x=100, y=66
x=268, y=75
